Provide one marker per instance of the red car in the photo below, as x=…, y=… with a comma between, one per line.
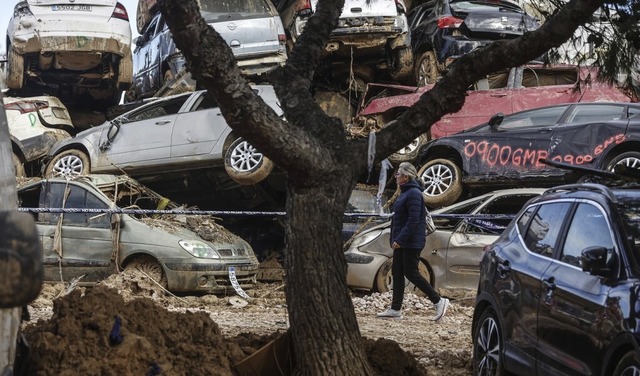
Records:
x=513, y=90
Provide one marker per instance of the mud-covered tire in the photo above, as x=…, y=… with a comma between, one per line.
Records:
x=244, y=164
x=18, y=166
x=427, y=71
x=402, y=64
x=384, y=278
x=442, y=182
x=630, y=160
x=151, y=267
x=15, y=70
x=488, y=346
x=410, y=152
x=629, y=364
x=71, y=162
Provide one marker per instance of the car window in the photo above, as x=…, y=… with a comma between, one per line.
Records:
x=157, y=109
x=535, y=118
x=206, y=101
x=524, y=219
x=505, y=206
x=479, y=6
x=594, y=113
x=588, y=228
x=543, y=228
x=77, y=197
x=633, y=111
x=451, y=222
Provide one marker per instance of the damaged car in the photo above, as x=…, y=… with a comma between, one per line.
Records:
x=93, y=226
x=374, y=33
x=35, y=125
x=164, y=137
x=81, y=47
x=508, y=149
x=450, y=257
x=252, y=28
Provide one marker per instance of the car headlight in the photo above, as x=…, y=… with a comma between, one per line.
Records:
x=366, y=238
x=199, y=249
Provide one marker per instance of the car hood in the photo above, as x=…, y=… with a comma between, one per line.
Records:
x=366, y=8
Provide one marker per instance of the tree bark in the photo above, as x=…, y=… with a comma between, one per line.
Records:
x=322, y=162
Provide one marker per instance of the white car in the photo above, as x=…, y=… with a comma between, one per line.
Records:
x=35, y=125
x=77, y=46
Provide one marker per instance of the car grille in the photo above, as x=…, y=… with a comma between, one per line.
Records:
x=226, y=252
x=366, y=21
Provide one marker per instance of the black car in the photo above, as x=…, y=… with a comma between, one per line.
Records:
x=443, y=30
x=559, y=290
x=506, y=151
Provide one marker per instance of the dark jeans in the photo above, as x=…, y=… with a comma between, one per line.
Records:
x=405, y=264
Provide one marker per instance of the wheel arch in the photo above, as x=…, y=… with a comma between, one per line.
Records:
x=440, y=152
x=139, y=254
x=619, y=149
x=432, y=277
x=623, y=344
x=484, y=301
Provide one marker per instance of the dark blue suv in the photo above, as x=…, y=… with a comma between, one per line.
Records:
x=559, y=290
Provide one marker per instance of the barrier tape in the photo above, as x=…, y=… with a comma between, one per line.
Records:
x=235, y=284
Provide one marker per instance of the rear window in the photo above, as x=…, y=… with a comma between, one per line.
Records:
x=216, y=8
x=472, y=6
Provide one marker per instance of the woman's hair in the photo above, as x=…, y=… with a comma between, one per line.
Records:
x=407, y=169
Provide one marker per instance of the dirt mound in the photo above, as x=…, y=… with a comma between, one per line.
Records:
x=97, y=332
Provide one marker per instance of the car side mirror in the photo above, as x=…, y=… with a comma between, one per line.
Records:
x=111, y=135
x=594, y=261
x=21, y=269
x=496, y=120
x=138, y=41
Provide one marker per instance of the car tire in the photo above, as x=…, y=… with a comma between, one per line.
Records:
x=384, y=278
x=629, y=365
x=488, y=345
x=427, y=71
x=244, y=164
x=151, y=267
x=410, y=152
x=15, y=70
x=71, y=162
x=442, y=182
x=630, y=159
x=402, y=64
x=18, y=166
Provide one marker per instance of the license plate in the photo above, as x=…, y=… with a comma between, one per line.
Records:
x=72, y=8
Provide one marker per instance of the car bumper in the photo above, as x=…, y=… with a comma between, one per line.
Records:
x=209, y=277
x=362, y=268
x=452, y=48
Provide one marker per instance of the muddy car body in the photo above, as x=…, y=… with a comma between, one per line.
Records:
x=166, y=136
x=83, y=46
x=90, y=246
x=375, y=33
x=35, y=125
x=252, y=28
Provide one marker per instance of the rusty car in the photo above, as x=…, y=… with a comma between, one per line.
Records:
x=507, y=91
x=35, y=125
x=95, y=238
x=450, y=257
x=81, y=49
x=507, y=150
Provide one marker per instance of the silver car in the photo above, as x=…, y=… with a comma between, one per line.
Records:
x=192, y=256
x=166, y=136
x=252, y=28
x=450, y=259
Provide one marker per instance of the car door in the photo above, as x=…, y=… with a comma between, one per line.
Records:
x=467, y=242
x=587, y=132
x=141, y=139
x=514, y=147
x=197, y=131
x=572, y=302
x=85, y=247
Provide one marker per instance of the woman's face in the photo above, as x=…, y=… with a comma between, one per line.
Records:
x=401, y=179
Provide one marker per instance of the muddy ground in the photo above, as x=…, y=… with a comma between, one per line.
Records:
x=128, y=326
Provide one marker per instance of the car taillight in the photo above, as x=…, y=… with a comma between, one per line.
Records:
x=400, y=6
x=22, y=9
x=120, y=12
x=26, y=106
x=449, y=22
x=282, y=38
x=303, y=7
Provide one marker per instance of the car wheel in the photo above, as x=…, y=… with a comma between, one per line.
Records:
x=409, y=152
x=629, y=365
x=18, y=166
x=630, y=160
x=442, y=181
x=384, y=278
x=402, y=64
x=167, y=77
x=488, y=346
x=427, y=69
x=15, y=70
x=151, y=267
x=244, y=164
x=68, y=163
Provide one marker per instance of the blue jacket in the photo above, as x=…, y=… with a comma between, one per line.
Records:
x=409, y=217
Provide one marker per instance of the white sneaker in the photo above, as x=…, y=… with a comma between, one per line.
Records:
x=441, y=309
x=390, y=313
